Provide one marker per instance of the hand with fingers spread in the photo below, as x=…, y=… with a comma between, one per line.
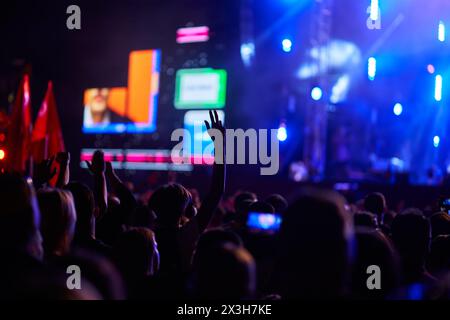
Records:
x=216, y=190
x=215, y=124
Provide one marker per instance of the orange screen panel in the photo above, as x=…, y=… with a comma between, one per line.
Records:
x=140, y=85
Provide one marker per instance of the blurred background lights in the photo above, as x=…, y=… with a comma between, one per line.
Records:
x=436, y=141
x=287, y=45
x=316, y=93
x=282, y=133
x=441, y=31
x=398, y=109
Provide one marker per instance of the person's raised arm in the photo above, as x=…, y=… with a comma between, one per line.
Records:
x=43, y=173
x=97, y=169
x=63, y=160
x=127, y=201
x=216, y=190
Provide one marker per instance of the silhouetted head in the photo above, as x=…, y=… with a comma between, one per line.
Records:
x=224, y=272
x=144, y=217
x=439, y=258
x=99, y=271
x=411, y=235
x=388, y=217
x=375, y=203
x=51, y=285
x=439, y=290
x=440, y=224
x=136, y=253
x=58, y=220
x=212, y=239
x=170, y=203
x=373, y=248
x=316, y=239
x=242, y=200
x=278, y=202
x=19, y=216
x=196, y=201
x=365, y=219
x=261, y=206
x=84, y=204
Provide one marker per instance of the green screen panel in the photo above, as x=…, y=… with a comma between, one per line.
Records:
x=200, y=88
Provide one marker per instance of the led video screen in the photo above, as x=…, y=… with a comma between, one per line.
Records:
x=126, y=109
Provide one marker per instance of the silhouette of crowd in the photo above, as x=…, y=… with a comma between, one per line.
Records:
x=176, y=246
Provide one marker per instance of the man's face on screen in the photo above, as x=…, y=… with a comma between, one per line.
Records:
x=98, y=100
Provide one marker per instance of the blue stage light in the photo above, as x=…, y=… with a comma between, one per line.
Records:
x=372, y=68
x=441, y=31
x=398, y=109
x=282, y=133
x=436, y=141
x=438, y=88
x=316, y=93
x=287, y=45
x=247, y=53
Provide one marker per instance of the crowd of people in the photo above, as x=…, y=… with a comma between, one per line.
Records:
x=177, y=246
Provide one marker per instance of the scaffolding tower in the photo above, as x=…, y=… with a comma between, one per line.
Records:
x=316, y=116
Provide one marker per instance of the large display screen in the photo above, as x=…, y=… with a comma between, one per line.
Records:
x=126, y=109
x=184, y=97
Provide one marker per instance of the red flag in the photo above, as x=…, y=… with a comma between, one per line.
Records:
x=47, y=139
x=19, y=129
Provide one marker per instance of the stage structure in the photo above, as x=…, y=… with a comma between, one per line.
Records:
x=315, y=130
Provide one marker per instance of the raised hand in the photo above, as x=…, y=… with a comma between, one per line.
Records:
x=215, y=124
x=109, y=169
x=43, y=171
x=111, y=175
x=97, y=166
x=216, y=190
x=63, y=157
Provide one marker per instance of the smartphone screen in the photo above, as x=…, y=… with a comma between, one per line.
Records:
x=263, y=221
